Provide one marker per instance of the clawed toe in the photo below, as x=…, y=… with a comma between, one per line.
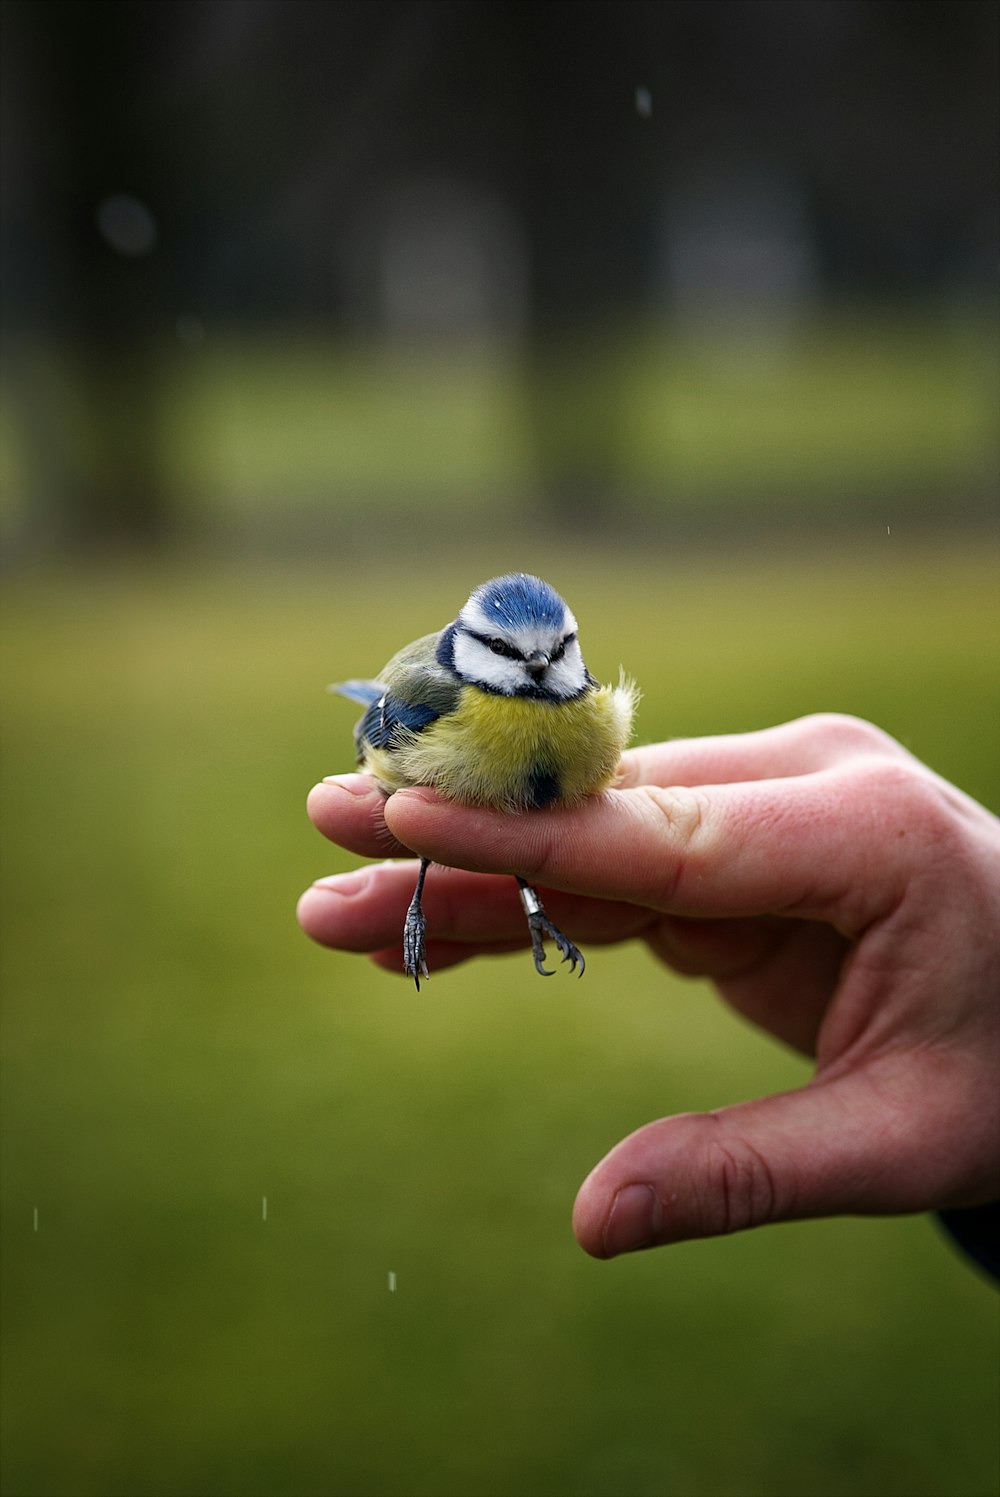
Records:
x=541, y=927
x=414, y=960
x=570, y=953
x=538, y=952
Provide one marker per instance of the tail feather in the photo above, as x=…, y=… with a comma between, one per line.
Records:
x=365, y=692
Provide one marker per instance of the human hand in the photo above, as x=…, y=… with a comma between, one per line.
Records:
x=837, y=892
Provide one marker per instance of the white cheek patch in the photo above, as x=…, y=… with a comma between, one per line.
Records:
x=474, y=661
x=567, y=677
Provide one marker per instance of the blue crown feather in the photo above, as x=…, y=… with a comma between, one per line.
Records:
x=517, y=600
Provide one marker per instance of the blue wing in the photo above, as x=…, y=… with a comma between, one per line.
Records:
x=412, y=691
x=390, y=720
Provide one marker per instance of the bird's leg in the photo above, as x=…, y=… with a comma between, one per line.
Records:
x=414, y=962
x=541, y=926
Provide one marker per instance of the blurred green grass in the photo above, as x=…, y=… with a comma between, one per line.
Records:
x=175, y=1051
x=860, y=403
x=293, y=432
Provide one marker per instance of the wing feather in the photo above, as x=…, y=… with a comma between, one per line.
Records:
x=364, y=692
x=415, y=676
x=412, y=691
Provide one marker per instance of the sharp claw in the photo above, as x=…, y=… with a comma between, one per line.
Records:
x=574, y=956
x=541, y=927
x=416, y=973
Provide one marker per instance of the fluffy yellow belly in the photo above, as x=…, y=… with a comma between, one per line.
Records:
x=513, y=752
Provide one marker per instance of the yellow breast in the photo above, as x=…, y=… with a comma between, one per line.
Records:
x=513, y=752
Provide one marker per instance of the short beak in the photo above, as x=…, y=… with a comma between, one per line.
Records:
x=537, y=664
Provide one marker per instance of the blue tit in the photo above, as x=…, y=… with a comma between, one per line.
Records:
x=497, y=709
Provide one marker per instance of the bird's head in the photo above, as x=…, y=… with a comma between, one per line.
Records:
x=516, y=637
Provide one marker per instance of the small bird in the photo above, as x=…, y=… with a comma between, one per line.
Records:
x=496, y=709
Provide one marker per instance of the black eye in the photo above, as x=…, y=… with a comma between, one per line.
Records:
x=558, y=652
x=500, y=647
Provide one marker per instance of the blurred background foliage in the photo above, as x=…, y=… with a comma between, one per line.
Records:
x=315, y=315
x=272, y=267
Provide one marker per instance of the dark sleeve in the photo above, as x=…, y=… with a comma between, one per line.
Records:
x=976, y=1229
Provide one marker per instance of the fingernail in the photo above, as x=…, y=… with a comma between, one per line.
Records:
x=343, y=883
x=633, y=1221
x=354, y=784
x=418, y=792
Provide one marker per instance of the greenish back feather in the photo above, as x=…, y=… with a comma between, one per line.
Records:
x=414, y=674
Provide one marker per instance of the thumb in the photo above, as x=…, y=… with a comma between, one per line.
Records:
x=830, y=1147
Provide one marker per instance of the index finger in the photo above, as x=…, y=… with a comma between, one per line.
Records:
x=821, y=846
x=818, y=741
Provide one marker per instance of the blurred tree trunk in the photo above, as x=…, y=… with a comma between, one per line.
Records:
x=86, y=314
x=583, y=188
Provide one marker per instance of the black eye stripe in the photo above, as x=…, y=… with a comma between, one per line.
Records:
x=498, y=646
x=510, y=652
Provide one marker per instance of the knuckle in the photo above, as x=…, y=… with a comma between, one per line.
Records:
x=742, y=1191
x=684, y=809
x=905, y=796
x=683, y=813
x=848, y=734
